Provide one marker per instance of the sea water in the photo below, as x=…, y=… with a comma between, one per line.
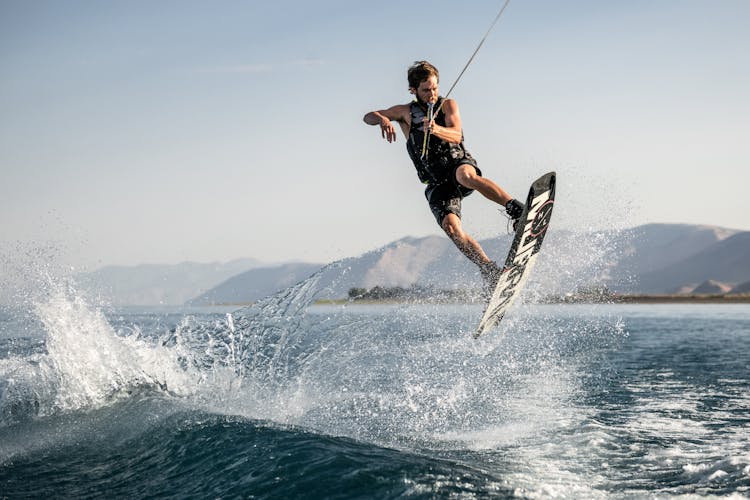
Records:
x=288, y=399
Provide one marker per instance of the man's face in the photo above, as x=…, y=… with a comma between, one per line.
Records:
x=427, y=91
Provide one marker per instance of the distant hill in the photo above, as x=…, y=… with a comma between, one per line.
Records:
x=650, y=259
x=430, y=261
x=641, y=254
x=255, y=284
x=656, y=258
x=654, y=246
x=159, y=284
x=711, y=287
x=727, y=261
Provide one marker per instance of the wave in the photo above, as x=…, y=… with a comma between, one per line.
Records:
x=194, y=454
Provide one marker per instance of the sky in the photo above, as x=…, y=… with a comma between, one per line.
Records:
x=168, y=131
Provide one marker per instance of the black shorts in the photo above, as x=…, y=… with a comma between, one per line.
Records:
x=445, y=198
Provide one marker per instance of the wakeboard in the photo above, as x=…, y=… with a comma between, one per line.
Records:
x=530, y=232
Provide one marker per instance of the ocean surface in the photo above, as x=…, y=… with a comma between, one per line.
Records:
x=286, y=399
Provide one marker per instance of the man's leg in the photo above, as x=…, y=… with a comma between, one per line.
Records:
x=467, y=176
x=468, y=245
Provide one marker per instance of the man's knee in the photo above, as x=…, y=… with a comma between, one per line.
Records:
x=466, y=175
x=452, y=226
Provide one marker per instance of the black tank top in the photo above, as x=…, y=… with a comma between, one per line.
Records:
x=436, y=166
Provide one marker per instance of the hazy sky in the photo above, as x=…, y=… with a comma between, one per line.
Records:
x=164, y=131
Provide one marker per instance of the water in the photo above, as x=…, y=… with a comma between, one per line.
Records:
x=290, y=400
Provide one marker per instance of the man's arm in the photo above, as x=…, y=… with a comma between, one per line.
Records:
x=384, y=117
x=452, y=131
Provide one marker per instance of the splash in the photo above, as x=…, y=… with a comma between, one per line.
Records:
x=406, y=376
x=587, y=236
x=88, y=362
x=84, y=363
x=255, y=351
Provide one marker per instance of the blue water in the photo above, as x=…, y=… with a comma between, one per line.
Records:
x=289, y=400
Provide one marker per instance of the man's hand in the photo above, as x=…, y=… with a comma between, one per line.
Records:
x=385, y=118
x=387, y=130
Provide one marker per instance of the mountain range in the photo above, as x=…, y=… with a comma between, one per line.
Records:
x=649, y=259
x=160, y=284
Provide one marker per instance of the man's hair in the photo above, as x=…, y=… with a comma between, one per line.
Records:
x=421, y=71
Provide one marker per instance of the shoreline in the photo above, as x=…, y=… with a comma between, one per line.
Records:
x=609, y=299
x=652, y=299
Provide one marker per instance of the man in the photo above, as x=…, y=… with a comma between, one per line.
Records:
x=442, y=161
